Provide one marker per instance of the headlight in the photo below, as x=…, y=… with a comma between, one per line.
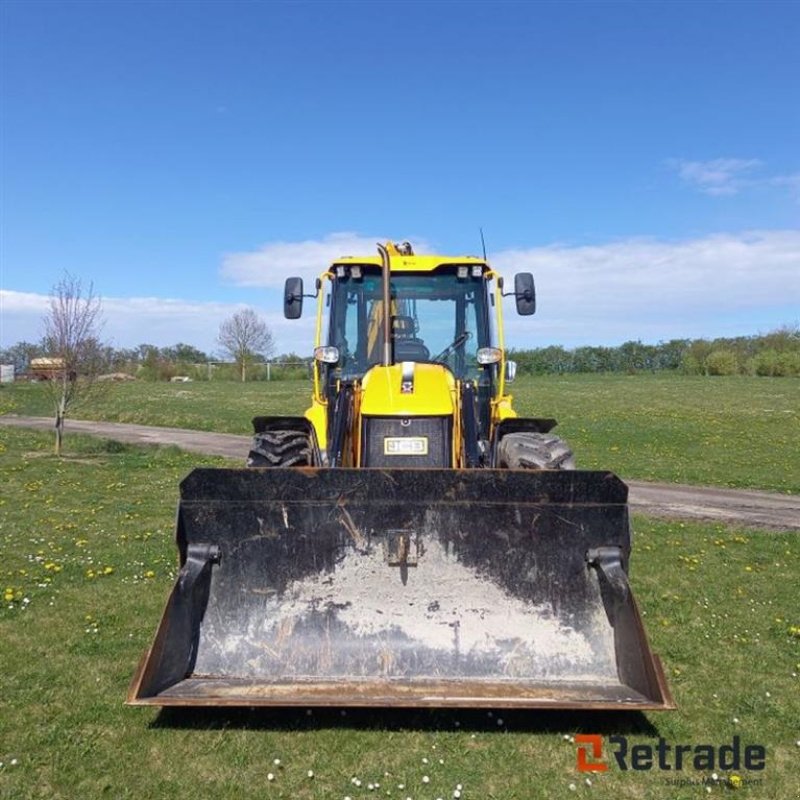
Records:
x=489, y=355
x=327, y=354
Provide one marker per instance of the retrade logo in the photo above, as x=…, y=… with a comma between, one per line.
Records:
x=590, y=761
x=662, y=756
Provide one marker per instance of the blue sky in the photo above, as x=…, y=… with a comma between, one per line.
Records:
x=643, y=159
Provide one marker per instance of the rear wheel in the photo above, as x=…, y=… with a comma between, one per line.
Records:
x=534, y=451
x=280, y=449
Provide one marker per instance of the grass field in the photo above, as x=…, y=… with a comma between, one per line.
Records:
x=88, y=559
x=738, y=431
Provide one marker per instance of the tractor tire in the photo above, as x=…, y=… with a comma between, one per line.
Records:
x=280, y=449
x=534, y=451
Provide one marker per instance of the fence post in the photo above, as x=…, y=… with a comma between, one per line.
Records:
x=268, y=372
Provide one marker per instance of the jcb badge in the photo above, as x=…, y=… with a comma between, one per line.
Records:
x=405, y=446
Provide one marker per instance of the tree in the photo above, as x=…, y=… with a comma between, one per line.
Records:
x=184, y=353
x=72, y=326
x=20, y=355
x=244, y=336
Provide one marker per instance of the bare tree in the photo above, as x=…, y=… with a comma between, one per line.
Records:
x=71, y=344
x=245, y=335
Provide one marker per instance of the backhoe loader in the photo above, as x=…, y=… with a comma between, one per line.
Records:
x=410, y=540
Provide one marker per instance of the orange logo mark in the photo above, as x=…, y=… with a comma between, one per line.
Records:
x=596, y=765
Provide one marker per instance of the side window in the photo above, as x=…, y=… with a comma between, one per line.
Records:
x=350, y=345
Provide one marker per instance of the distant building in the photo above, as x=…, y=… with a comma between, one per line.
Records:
x=47, y=369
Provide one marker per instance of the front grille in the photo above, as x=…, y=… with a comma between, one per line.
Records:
x=436, y=432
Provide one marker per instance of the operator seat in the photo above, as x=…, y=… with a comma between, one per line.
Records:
x=407, y=347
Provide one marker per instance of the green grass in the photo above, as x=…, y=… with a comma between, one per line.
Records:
x=742, y=432
x=87, y=539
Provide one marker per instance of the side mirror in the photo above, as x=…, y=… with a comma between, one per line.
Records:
x=293, y=298
x=511, y=371
x=525, y=293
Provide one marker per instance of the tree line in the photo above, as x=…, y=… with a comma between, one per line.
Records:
x=773, y=354
x=153, y=363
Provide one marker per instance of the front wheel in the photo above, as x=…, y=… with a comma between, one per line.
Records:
x=280, y=449
x=528, y=450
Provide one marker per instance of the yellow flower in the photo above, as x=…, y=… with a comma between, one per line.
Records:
x=149, y=574
x=108, y=570
x=735, y=781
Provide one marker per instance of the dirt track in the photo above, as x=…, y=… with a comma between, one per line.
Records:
x=733, y=506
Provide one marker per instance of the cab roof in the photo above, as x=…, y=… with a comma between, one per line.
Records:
x=415, y=263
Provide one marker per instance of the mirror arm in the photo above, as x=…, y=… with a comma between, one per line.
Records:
x=317, y=286
x=526, y=295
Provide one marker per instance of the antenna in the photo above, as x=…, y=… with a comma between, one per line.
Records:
x=483, y=244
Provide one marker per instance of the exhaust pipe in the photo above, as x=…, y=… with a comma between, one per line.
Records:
x=387, y=306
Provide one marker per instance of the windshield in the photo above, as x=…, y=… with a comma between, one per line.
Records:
x=436, y=317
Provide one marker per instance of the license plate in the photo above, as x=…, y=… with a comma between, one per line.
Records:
x=405, y=446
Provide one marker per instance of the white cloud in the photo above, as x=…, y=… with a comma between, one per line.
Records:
x=129, y=321
x=725, y=284
x=650, y=289
x=729, y=176
x=720, y=176
x=273, y=262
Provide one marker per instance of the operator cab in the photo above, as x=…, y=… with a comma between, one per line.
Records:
x=439, y=317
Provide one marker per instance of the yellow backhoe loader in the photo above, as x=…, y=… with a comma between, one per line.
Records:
x=410, y=540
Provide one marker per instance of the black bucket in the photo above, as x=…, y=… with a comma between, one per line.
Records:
x=423, y=587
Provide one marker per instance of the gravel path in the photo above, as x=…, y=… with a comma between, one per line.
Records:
x=733, y=506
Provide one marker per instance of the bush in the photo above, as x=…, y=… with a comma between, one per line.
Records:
x=765, y=363
x=156, y=370
x=690, y=365
x=722, y=362
x=789, y=364
x=297, y=372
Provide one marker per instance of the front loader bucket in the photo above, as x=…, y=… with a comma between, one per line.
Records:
x=417, y=587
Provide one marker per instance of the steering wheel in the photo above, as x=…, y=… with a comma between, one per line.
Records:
x=457, y=342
